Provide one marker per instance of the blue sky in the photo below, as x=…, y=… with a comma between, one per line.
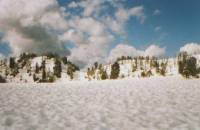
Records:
x=91, y=30
x=179, y=22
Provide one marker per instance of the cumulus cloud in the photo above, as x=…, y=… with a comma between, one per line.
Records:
x=95, y=50
x=73, y=4
x=43, y=26
x=90, y=7
x=123, y=15
x=117, y=23
x=123, y=50
x=154, y=51
x=30, y=26
x=128, y=50
x=94, y=33
x=191, y=48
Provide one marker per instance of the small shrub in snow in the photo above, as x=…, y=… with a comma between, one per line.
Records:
x=143, y=74
x=2, y=80
x=104, y=75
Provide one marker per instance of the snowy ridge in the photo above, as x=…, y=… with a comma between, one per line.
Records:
x=27, y=71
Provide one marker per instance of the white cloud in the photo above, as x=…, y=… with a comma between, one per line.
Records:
x=116, y=24
x=123, y=50
x=75, y=36
x=90, y=6
x=154, y=50
x=122, y=15
x=113, y=25
x=95, y=50
x=128, y=50
x=157, y=12
x=31, y=25
x=41, y=25
x=191, y=48
x=89, y=25
x=92, y=40
x=73, y=4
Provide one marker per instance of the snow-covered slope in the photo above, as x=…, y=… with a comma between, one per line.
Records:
x=144, y=65
x=169, y=103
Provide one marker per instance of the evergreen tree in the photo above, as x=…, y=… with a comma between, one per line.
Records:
x=136, y=62
x=6, y=72
x=191, y=65
x=13, y=66
x=149, y=73
x=37, y=68
x=43, y=71
x=12, y=63
x=92, y=72
x=134, y=68
x=64, y=60
x=43, y=75
x=115, y=69
x=57, y=68
x=182, y=61
x=35, y=78
x=70, y=71
x=96, y=65
x=88, y=72
x=104, y=75
x=186, y=72
x=2, y=80
x=50, y=55
x=163, y=69
x=143, y=74
x=187, y=65
x=100, y=67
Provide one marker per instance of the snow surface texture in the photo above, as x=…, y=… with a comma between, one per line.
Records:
x=169, y=103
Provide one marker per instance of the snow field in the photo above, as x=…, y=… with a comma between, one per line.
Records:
x=169, y=103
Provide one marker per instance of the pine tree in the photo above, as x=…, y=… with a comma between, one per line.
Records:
x=100, y=67
x=12, y=63
x=187, y=65
x=96, y=65
x=191, y=65
x=13, y=66
x=70, y=71
x=37, y=68
x=104, y=75
x=43, y=75
x=57, y=68
x=134, y=68
x=182, y=61
x=64, y=60
x=88, y=72
x=2, y=80
x=186, y=72
x=143, y=74
x=34, y=78
x=163, y=69
x=115, y=69
x=43, y=71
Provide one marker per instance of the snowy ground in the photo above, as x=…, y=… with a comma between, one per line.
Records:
x=136, y=104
